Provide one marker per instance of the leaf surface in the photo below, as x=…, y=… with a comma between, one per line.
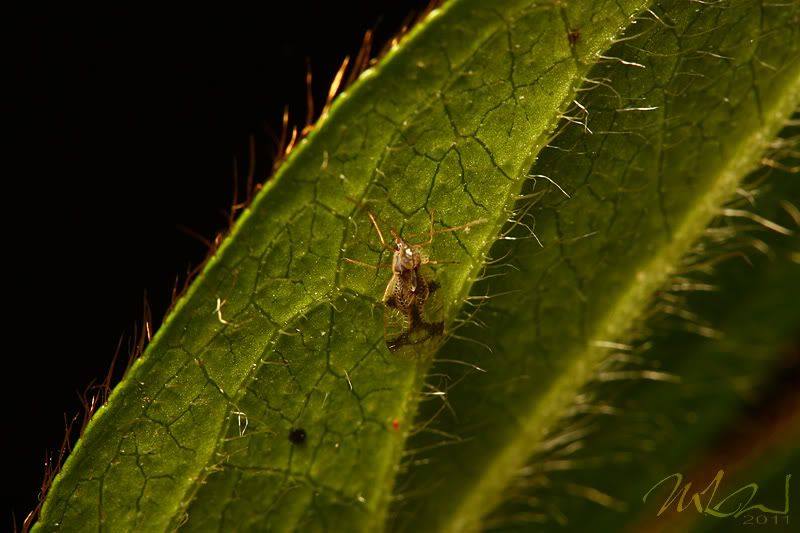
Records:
x=681, y=111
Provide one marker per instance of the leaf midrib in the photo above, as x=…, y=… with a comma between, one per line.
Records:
x=487, y=492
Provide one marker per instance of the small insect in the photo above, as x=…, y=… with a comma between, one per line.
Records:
x=297, y=436
x=573, y=36
x=413, y=299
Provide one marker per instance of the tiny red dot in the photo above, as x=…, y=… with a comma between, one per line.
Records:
x=396, y=424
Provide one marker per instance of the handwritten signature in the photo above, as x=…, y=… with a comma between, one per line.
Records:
x=748, y=492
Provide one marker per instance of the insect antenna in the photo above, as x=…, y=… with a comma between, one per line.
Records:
x=378, y=230
x=376, y=267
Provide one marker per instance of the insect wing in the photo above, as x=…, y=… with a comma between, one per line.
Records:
x=414, y=321
x=433, y=307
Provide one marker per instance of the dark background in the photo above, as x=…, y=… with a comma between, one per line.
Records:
x=121, y=127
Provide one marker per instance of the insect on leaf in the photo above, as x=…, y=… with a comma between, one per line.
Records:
x=413, y=299
x=416, y=325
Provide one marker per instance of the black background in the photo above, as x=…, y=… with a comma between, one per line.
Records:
x=121, y=127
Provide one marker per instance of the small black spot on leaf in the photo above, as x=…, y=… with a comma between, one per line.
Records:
x=297, y=436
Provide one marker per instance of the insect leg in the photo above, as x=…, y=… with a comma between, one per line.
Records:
x=431, y=232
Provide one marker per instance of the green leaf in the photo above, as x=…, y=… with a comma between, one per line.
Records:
x=660, y=110
x=622, y=437
x=645, y=187
x=754, y=312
